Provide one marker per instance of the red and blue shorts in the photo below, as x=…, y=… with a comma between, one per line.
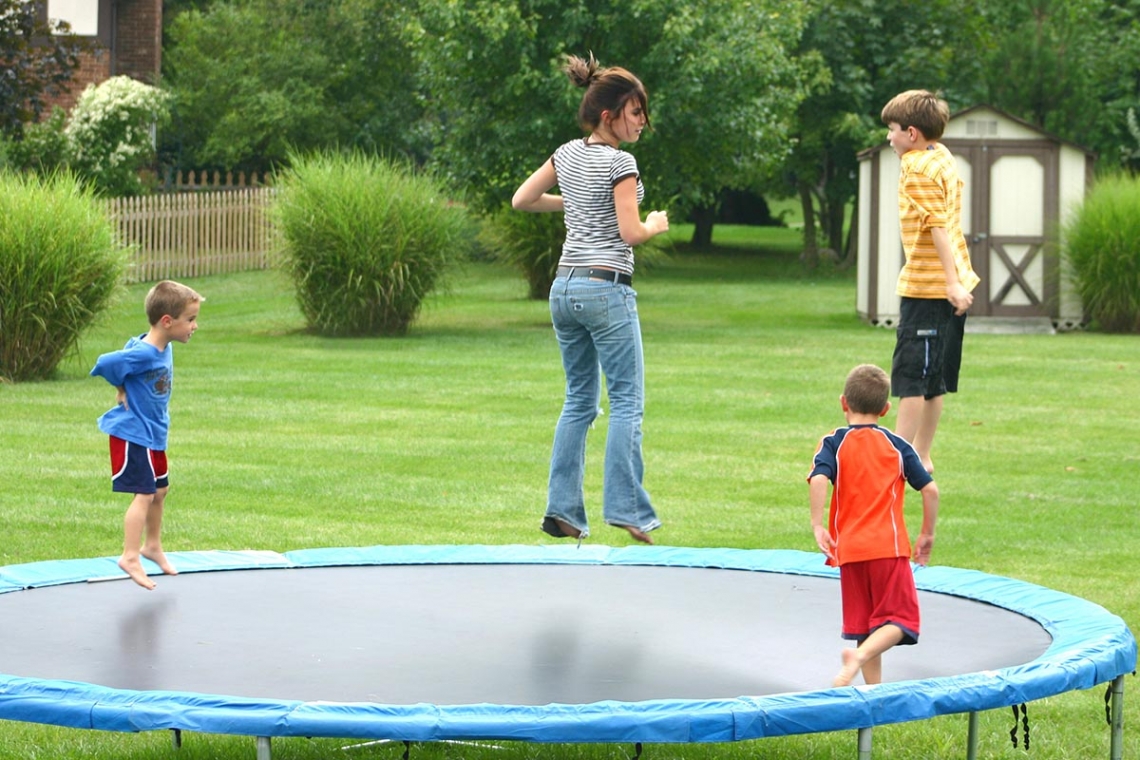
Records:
x=879, y=592
x=137, y=469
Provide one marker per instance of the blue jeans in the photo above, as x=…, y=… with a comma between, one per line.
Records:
x=599, y=333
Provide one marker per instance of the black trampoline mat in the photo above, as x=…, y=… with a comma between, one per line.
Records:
x=507, y=634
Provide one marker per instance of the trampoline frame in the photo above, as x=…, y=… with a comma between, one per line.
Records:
x=1090, y=647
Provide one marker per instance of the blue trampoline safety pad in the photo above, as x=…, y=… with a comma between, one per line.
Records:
x=1081, y=645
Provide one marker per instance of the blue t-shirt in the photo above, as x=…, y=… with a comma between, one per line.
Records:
x=147, y=375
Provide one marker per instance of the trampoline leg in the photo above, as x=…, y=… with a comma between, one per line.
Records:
x=865, y=743
x=1117, y=743
x=264, y=749
x=972, y=737
x=176, y=737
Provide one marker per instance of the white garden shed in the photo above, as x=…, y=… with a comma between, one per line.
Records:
x=1020, y=184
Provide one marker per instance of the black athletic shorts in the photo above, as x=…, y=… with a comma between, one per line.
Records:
x=928, y=348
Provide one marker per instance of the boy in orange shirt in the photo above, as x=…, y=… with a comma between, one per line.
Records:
x=936, y=281
x=868, y=468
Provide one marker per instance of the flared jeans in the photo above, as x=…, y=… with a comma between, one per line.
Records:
x=598, y=333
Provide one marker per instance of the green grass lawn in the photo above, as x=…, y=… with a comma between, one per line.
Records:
x=281, y=440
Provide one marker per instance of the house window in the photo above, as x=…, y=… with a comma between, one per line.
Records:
x=92, y=19
x=82, y=15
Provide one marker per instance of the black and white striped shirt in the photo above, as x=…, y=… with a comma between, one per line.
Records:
x=587, y=173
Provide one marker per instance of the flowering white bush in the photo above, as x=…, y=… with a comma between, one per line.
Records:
x=110, y=134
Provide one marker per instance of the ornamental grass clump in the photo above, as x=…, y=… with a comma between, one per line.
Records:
x=365, y=240
x=532, y=242
x=60, y=266
x=1102, y=248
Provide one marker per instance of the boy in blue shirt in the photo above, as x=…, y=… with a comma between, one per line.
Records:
x=143, y=375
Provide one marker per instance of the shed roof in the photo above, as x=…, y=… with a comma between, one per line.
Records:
x=868, y=152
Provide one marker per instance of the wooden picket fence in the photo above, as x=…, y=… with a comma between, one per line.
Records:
x=195, y=234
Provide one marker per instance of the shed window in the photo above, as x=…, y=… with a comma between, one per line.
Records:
x=982, y=127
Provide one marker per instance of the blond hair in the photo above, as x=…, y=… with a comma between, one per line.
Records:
x=169, y=298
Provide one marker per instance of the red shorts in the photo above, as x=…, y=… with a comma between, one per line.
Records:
x=137, y=469
x=878, y=592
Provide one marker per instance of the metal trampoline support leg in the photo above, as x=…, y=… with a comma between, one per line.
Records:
x=972, y=737
x=865, y=743
x=1116, y=747
x=264, y=748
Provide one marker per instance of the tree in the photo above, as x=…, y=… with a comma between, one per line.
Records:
x=723, y=88
x=254, y=79
x=1071, y=67
x=37, y=58
x=872, y=49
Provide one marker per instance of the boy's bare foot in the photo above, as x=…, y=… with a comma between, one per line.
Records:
x=637, y=534
x=133, y=567
x=850, y=669
x=158, y=557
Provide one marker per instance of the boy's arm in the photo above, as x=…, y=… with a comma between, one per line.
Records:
x=956, y=294
x=818, y=487
x=115, y=366
x=925, y=540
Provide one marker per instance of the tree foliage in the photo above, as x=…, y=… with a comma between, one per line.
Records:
x=743, y=93
x=254, y=79
x=872, y=49
x=722, y=84
x=37, y=58
x=1071, y=67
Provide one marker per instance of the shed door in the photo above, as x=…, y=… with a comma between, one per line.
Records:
x=1009, y=204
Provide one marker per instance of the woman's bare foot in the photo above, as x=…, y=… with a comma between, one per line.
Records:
x=850, y=669
x=158, y=557
x=559, y=528
x=133, y=567
x=637, y=534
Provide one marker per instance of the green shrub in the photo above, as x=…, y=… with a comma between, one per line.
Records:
x=44, y=146
x=532, y=242
x=1102, y=247
x=110, y=134
x=59, y=268
x=365, y=240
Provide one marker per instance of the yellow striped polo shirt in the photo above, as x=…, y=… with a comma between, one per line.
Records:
x=930, y=195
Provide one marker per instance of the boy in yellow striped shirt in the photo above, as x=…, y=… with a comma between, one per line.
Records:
x=936, y=281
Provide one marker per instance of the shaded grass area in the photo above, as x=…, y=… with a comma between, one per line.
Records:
x=282, y=440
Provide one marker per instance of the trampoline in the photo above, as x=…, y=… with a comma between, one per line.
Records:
x=524, y=643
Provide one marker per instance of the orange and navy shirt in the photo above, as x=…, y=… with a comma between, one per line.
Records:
x=869, y=468
x=930, y=195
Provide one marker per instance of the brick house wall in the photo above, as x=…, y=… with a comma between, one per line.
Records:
x=128, y=42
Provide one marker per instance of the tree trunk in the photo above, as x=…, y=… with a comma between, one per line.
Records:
x=810, y=255
x=703, y=219
x=851, y=249
x=836, y=215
